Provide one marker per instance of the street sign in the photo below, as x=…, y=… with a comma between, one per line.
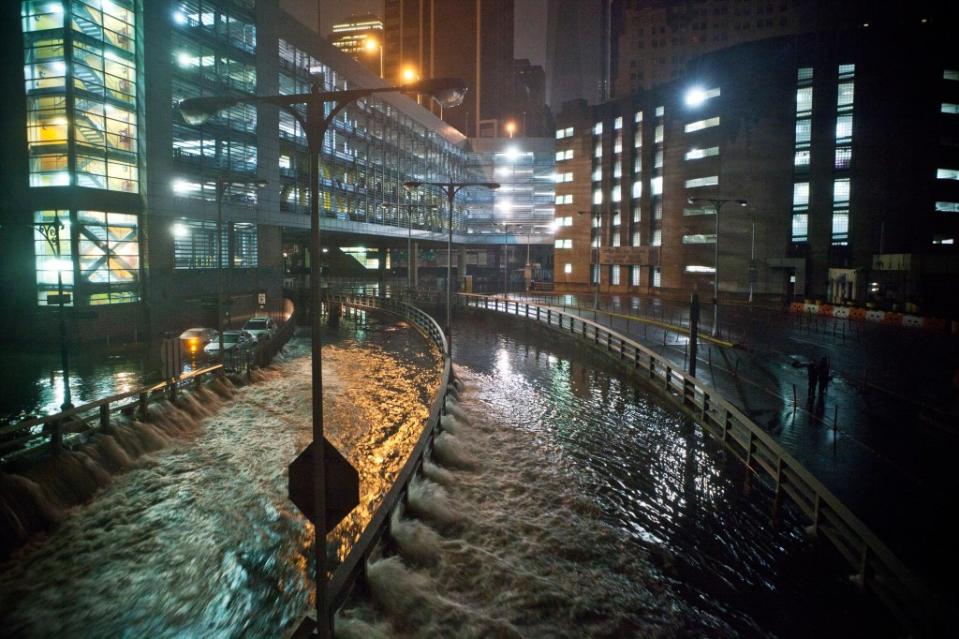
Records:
x=261, y=299
x=342, y=484
x=171, y=356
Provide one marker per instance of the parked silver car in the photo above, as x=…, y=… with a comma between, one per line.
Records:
x=261, y=328
x=232, y=340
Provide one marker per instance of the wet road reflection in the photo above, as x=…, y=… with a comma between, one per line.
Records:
x=199, y=539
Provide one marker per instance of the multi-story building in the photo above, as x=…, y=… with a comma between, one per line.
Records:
x=472, y=41
x=531, y=117
x=575, y=66
x=843, y=148
x=519, y=215
x=361, y=37
x=95, y=142
x=656, y=38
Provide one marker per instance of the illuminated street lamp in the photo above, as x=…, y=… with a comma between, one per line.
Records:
x=316, y=121
x=451, y=189
x=371, y=45
x=510, y=128
x=717, y=203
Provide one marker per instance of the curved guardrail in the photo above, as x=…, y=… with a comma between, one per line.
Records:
x=875, y=565
x=16, y=439
x=353, y=568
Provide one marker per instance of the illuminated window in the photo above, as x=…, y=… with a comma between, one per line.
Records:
x=801, y=158
x=698, y=154
x=657, y=237
x=950, y=74
x=597, y=196
x=48, y=264
x=699, y=125
x=947, y=207
x=564, y=244
x=950, y=108
x=697, y=268
x=635, y=276
x=638, y=117
x=568, y=268
x=598, y=128
x=847, y=70
x=614, y=275
x=840, y=190
x=101, y=78
x=711, y=180
x=846, y=93
x=803, y=131
x=843, y=157
x=804, y=100
x=564, y=199
x=947, y=174
x=245, y=245
x=844, y=127
x=195, y=245
x=656, y=185
x=800, y=227
x=800, y=195
x=637, y=189
x=840, y=227
x=658, y=134
x=804, y=74
x=618, y=123
x=107, y=262
x=700, y=238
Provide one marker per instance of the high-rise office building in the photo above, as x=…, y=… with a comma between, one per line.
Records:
x=361, y=36
x=574, y=52
x=469, y=40
x=806, y=130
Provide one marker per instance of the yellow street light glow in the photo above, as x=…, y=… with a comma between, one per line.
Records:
x=510, y=128
x=410, y=75
x=371, y=44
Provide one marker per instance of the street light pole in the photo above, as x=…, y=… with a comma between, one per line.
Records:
x=51, y=233
x=450, y=189
x=222, y=184
x=717, y=205
x=315, y=124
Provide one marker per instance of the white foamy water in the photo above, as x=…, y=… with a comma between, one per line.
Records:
x=562, y=501
x=198, y=539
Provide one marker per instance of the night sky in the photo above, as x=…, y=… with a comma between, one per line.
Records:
x=530, y=20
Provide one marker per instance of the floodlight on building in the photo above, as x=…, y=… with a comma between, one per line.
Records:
x=512, y=153
x=179, y=230
x=695, y=96
x=179, y=17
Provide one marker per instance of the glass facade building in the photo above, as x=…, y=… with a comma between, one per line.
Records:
x=82, y=130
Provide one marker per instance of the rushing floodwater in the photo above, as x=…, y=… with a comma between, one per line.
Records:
x=572, y=505
x=199, y=539
x=562, y=502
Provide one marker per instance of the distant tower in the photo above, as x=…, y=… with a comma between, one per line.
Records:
x=574, y=51
x=361, y=36
x=471, y=40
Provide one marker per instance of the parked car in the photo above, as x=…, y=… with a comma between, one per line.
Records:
x=232, y=340
x=261, y=328
x=194, y=340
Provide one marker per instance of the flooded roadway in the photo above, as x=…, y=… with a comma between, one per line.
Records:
x=199, y=540
x=572, y=504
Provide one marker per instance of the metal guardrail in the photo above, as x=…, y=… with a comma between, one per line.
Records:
x=14, y=438
x=875, y=565
x=353, y=568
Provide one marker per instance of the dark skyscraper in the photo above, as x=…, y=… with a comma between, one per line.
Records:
x=574, y=51
x=468, y=40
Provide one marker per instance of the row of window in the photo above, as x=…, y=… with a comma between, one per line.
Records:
x=106, y=266
x=195, y=245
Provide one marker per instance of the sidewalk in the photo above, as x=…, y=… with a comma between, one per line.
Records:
x=885, y=449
